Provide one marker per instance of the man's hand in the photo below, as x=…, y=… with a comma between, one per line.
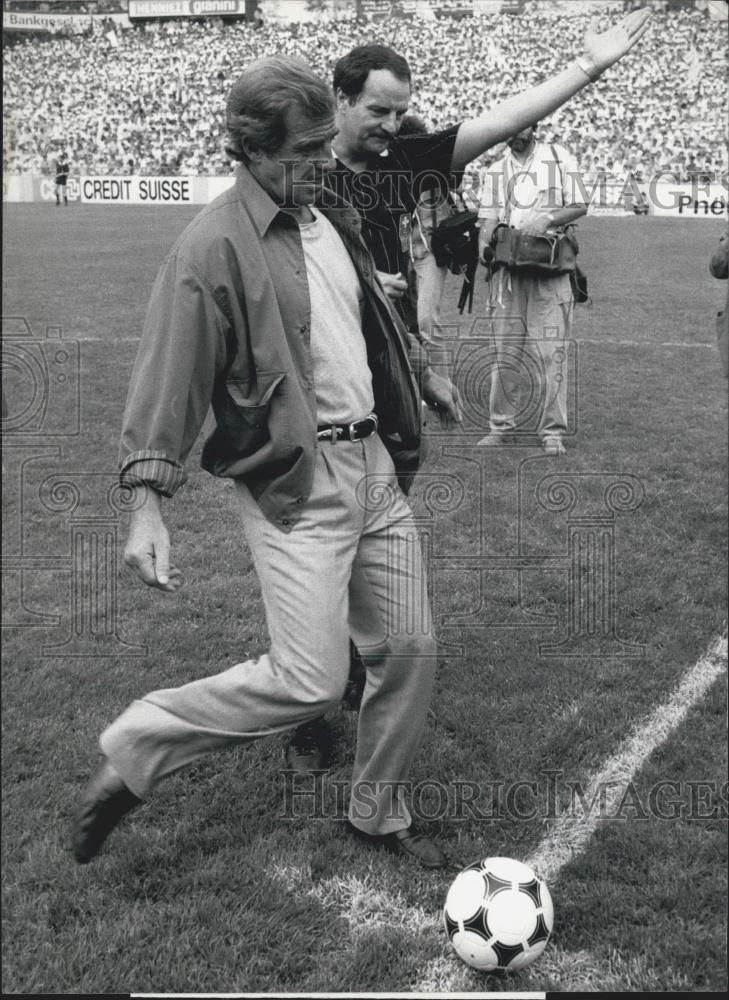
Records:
x=442, y=396
x=605, y=49
x=147, y=550
x=395, y=285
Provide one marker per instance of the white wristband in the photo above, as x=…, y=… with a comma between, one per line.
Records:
x=588, y=68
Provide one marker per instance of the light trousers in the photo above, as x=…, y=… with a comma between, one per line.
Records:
x=431, y=285
x=350, y=566
x=531, y=319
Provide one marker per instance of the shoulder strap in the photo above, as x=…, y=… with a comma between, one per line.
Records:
x=507, y=200
x=559, y=167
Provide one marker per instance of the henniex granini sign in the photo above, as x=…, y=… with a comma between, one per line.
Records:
x=185, y=8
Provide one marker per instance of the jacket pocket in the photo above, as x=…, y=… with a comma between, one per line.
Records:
x=245, y=409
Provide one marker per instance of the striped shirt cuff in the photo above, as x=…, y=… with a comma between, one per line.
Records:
x=152, y=468
x=418, y=356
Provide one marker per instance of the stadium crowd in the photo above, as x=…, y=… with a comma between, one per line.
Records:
x=148, y=100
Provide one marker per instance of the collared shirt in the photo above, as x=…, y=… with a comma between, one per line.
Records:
x=387, y=192
x=519, y=192
x=228, y=324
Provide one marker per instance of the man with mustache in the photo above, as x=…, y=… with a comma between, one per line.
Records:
x=383, y=175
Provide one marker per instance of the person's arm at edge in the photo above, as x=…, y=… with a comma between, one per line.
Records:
x=719, y=264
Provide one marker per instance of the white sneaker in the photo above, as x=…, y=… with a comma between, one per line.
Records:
x=552, y=444
x=493, y=439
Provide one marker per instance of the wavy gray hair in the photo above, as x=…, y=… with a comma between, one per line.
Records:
x=261, y=97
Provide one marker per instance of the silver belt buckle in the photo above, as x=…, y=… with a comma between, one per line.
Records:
x=372, y=418
x=352, y=432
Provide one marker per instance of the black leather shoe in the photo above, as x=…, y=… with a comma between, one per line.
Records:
x=352, y=697
x=415, y=845
x=309, y=747
x=106, y=799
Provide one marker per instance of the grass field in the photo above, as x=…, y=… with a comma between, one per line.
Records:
x=212, y=886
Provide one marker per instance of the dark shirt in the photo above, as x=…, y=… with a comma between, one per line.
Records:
x=387, y=192
x=62, y=171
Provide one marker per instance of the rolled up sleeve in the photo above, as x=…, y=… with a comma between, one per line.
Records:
x=417, y=355
x=182, y=349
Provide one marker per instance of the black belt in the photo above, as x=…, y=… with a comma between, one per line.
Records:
x=348, y=432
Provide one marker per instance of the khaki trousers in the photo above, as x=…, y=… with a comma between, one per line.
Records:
x=350, y=566
x=431, y=281
x=531, y=319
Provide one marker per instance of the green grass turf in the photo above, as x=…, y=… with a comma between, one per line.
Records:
x=187, y=895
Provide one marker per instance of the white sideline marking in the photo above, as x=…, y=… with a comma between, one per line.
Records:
x=358, y=900
x=572, y=830
x=352, y=996
x=647, y=343
x=365, y=906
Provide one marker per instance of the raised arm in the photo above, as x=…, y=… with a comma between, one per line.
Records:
x=601, y=51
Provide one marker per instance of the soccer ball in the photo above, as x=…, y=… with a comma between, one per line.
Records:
x=498, y=915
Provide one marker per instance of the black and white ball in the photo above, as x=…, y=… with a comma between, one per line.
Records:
x=498, y=915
